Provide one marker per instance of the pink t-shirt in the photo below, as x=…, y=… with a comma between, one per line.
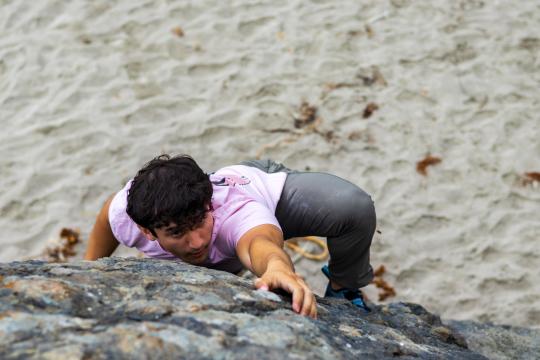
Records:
x=243, y=197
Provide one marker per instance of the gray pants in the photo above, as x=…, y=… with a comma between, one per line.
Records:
x=325, y=205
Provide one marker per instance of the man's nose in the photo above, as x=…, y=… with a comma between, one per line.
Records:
x=196, y=241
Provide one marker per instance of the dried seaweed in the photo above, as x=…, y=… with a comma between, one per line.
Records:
x=370, y=109
x=385, y=289
x=307, y=116
x=421, y=166
x=530, y=178
x=63, y=247
x=305, y=122
x=178, y=31
x=534, y=176
x=367, y=80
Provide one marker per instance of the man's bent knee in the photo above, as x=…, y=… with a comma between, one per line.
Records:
x=359, y=209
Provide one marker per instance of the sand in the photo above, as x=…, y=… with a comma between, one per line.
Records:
x=89, y=91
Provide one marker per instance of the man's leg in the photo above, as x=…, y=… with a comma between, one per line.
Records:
x=325, y=205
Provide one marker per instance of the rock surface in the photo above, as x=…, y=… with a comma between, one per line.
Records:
x=500, y=341
x=145, y=308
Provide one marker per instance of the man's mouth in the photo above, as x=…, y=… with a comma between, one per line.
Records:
x=198, y=253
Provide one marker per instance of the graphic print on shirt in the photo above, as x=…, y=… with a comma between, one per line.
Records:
x=232, y=180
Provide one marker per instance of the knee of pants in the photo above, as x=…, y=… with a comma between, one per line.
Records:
x=359, y=211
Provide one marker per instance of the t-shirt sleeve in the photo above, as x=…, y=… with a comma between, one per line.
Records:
x=250, y=215
x=123, y=228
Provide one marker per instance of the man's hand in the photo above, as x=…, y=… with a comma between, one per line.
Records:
x=261, y=251
x=303, y=300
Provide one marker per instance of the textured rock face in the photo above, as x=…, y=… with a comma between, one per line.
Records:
x=500, y=341
x=143, y=308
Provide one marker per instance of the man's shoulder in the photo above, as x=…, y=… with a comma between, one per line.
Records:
x=230, y=178
x=232, y=170
x=123, y=227
x=119, y=201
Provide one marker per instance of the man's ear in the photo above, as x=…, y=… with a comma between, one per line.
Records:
x=147, y=233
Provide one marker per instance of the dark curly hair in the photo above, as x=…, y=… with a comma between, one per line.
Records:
x=170, y=190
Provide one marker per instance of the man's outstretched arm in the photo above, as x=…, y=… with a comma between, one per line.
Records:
x=101, y=242
x=261, y=251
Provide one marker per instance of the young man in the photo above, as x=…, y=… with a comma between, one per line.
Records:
x=239, y=217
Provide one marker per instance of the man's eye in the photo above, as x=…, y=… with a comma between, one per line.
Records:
x=176, y=234
x=198, y=225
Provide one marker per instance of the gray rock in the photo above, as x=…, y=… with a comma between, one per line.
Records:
x=500, y=341
x=120, y=308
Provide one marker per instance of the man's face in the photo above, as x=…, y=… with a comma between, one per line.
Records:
x=191, y=247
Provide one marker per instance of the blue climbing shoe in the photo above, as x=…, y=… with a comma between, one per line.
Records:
x=354, y=296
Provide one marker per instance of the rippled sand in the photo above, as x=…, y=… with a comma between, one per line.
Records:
x=89, y=91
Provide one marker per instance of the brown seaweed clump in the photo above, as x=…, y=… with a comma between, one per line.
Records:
x=530, y=178
x=370, y=109
x=178, y=31
x=385, y=290
x=64, y=247
x=307, y=116
x=421, y=166
x=306, y=122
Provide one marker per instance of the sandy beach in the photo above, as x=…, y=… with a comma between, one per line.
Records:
x=90, y=91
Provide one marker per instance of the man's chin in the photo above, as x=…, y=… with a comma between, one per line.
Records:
x=196, y=260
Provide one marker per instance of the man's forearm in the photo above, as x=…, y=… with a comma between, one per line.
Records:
x=261, y=250
x=101, y=242
x=99, y=247
x=265, y=255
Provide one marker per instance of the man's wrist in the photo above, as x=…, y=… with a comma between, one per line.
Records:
x=278, y=263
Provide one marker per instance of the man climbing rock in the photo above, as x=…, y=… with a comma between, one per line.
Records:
x=238, y=217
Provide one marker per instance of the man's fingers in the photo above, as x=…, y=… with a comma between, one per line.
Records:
x=261, y=284
x=308, y=302
x=313, y=312
x=297, y=298
x=309, y=307
x=303, y=300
